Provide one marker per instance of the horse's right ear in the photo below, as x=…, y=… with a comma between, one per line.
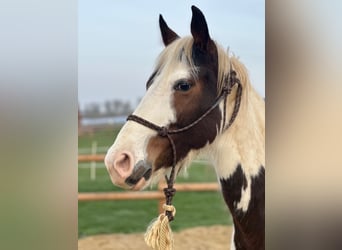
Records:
x=168, y=34
x=199, y=29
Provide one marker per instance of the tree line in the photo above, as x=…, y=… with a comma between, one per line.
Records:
x=107, y=109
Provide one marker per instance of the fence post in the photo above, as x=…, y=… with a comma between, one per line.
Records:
x=161, y=185
x=93, y=163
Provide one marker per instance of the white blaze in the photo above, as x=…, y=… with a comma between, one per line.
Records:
x=156, y=107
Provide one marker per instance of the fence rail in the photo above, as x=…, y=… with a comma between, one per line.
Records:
x=90, y=158
x=142, y=195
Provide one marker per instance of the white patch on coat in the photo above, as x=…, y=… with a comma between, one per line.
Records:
x=232, y=242
x=245, y=196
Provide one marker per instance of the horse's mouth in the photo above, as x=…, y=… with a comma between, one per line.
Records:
x=141, y=173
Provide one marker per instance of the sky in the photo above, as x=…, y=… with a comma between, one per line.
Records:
x=119, y=41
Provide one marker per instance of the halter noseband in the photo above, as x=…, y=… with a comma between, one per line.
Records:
x=163, y=131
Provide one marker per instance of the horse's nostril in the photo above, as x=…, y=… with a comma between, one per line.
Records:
x=123, y=164
x=123, y=159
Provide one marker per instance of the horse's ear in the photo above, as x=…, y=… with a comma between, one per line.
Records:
x=168, y=34
x=199, y=29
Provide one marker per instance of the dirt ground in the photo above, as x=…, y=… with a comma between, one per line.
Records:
x=198, y=238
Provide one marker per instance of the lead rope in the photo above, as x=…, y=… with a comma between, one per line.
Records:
x=159, y=235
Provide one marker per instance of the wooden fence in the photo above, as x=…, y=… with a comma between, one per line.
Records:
x=142, y=195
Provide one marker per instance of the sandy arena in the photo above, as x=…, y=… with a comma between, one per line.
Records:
x=198, y=238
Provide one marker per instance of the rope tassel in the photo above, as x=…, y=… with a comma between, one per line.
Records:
x=159, y=234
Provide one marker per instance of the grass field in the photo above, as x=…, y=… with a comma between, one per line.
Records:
x=98, y=217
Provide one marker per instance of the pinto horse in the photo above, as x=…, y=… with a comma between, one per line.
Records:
x=189, y=93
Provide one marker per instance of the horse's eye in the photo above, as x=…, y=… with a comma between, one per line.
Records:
x=182, y=86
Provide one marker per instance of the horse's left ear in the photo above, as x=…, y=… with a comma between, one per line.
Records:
x=199, y=29
x=168, y=34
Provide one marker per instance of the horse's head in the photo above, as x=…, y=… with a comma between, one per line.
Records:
x=183, y=86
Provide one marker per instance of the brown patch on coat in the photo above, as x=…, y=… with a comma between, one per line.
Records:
x=159, y=152
x=249, y=225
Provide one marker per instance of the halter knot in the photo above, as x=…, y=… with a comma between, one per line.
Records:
x=169, y=192
x=163, y=131
x=226, y=90
x=170, y=211
x=233, y=78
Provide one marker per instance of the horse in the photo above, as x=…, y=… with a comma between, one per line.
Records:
x=198, y=102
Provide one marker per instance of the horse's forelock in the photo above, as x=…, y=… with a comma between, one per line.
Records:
x=181, y=50
x=178, y=51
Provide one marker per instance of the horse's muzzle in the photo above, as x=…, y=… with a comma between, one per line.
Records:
x=141, y=170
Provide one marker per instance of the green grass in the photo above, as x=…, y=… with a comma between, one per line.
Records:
x=98, y=217
x=104, y=138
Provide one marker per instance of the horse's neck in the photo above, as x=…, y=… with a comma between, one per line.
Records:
x=238, y=155
x=244, y=142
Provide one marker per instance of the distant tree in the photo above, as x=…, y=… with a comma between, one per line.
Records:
x=109, y=108
x=126, y=108
x=116, y=106
x=92, y=110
